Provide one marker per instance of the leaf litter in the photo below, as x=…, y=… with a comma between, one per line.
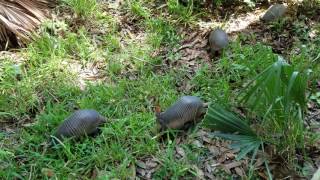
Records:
x=194, y=52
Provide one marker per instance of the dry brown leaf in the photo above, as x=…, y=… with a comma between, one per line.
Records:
x=230, y=155
x=209, y=176
x=189, y=45
x=232, y=165
x=19, y=18
x=259, y=162
x=200, y=174
x=239, y=171
x=197, y=143
x=47, y=172
x=180, y=151
x=142, y=172
x=262, y=175
x=151, y=164
x=214, y=150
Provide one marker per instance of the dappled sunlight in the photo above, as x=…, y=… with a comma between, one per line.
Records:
x=249, y=92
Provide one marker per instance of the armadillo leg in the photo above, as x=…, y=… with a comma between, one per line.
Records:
x=96, y=132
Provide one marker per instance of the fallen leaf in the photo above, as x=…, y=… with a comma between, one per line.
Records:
x=151, y=164
x=140, y=171
x=209, y=176
x=141, y=164
x=261, y=174
x=214, y=150
x=230, y=155
x=232, y=165
x=47, y=172
x=197, y=143
x=259, y=162
x=239, y=171
x=200, y=174
x=180, y=151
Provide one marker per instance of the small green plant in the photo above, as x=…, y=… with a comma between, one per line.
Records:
x=276, y=99
x=83, y=8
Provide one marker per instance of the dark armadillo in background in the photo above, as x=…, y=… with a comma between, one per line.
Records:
x=218, y=39
x=186, y=109
x=80, y=123
x=274, y=12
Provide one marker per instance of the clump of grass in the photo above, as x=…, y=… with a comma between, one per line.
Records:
x=137, y=9
x=161, y=32
x=182, y=13
x=278, y=98
x=83, y=8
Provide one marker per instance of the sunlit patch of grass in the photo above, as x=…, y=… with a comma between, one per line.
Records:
x=48, y=92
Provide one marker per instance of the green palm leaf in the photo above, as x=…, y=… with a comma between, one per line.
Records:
x=220, y=119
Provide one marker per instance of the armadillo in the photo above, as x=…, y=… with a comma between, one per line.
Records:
x=186, y=109
x=80, y=123
x=274, y=12
x=218, y=39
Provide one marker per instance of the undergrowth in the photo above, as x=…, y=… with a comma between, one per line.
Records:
x=43, y=90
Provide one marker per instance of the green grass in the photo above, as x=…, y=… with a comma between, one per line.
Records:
x=45, y=89
x=83, y=8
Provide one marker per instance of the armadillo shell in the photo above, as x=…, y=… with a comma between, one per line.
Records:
x=274, y=12
x=80, y=123
x=218, y=39
x=186, y=109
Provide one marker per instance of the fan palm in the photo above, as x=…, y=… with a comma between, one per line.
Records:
x=19, y=18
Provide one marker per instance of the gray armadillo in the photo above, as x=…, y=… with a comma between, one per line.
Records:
x=218, y=39
x=80, y=123
x=274, y=12
x=186, y=109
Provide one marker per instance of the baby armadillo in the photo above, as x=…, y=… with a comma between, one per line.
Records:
x=186, y=109
x=274, y=12
x=218, y=39
x=80, y=123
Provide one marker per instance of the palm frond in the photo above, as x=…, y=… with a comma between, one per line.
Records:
x=279, y=86
x=19, y=18
x=220, y=119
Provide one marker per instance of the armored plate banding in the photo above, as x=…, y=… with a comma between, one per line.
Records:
x=218, y=39
x=80, y=123
x=186, y=109
x=274, y=12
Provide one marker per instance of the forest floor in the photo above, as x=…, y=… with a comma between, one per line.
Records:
x=123, y=59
